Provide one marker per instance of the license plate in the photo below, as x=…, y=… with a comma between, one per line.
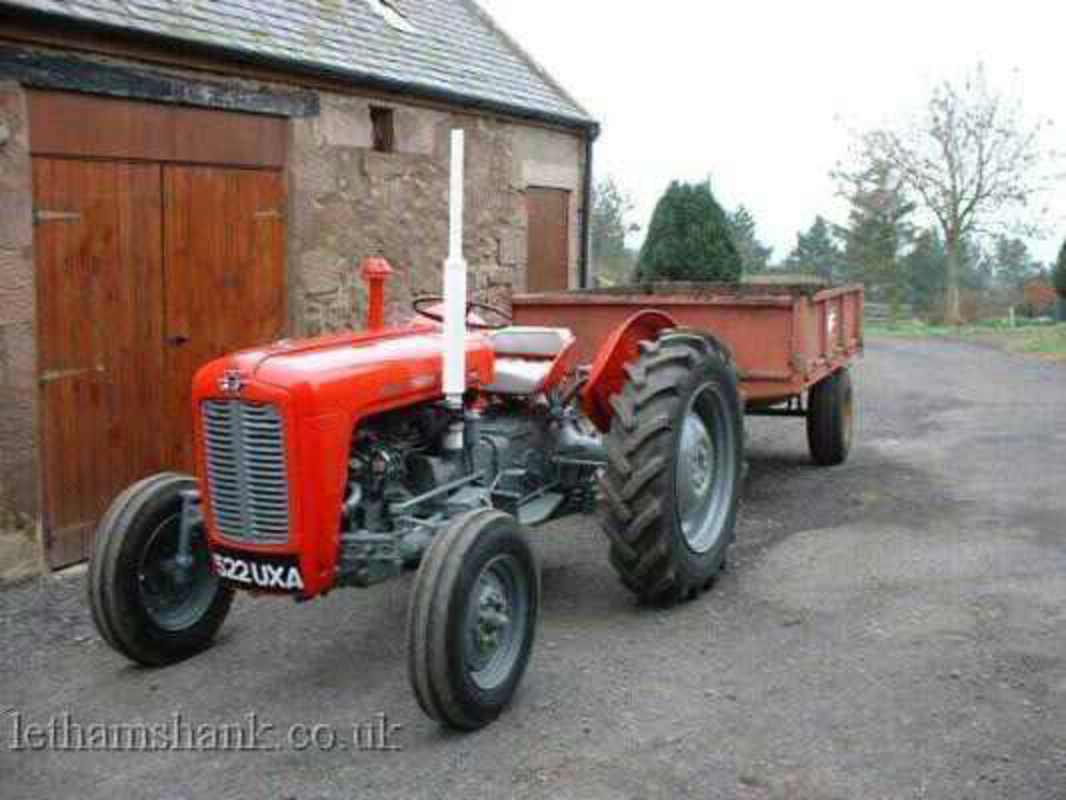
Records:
x=264, y=574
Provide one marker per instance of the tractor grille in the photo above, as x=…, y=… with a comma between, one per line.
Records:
x=245, y=448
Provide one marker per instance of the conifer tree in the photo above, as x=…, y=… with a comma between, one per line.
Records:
x=689, y=239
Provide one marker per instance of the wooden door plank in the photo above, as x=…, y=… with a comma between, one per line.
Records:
x=135, y=340
x=268, y=221
x=85, y=126
x=204, y=136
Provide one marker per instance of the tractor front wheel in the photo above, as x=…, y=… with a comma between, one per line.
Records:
x=145, y=602
x=472, y=619
x=675, y=456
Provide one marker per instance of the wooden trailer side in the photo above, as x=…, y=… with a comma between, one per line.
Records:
x=784, y=340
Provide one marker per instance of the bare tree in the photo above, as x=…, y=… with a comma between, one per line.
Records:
x=971, y=160
x=612, y=209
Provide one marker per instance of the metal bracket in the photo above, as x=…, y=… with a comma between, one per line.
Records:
x=407, y=506
x=53, y=375
x=40, y=216
x=192, y=516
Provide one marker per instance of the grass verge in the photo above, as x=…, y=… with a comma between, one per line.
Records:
x=1045, y=340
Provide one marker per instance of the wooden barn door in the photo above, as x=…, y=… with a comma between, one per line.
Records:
x=99, y=248
x=147, y=267
x=548, y=264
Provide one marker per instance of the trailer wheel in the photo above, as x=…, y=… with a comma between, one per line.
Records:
x=831, y=419
x=142, y=603
x=472, y=619
x=675, y=463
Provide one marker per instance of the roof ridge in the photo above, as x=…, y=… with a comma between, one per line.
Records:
x=525, y=55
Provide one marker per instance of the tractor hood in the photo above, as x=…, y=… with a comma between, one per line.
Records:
x=357, y=373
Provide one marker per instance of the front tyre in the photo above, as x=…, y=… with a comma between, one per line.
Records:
x=144, y=604
x=472, y=619
x=675, y=461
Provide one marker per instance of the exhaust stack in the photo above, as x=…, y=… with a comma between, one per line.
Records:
x=455, y=285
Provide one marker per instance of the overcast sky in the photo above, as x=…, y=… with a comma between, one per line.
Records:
x=760, y=95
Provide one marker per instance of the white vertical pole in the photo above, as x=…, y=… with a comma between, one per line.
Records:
x=455, y=196
x=455, y=284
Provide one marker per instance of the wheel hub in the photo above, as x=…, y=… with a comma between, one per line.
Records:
x=493, y=618
x=175, y=591
x=497, y=620
x=701, y=479
x=701, y=456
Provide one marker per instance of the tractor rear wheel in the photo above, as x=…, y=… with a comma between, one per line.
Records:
x=472, y=619
x=143, y=603
x=675, y=463
x=831, y=419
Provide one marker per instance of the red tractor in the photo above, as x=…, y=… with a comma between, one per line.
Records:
x=342, y=461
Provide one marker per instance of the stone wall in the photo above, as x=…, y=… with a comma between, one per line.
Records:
x=348, y=202
x=19, y=505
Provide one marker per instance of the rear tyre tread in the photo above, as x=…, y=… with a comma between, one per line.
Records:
x=635, y=514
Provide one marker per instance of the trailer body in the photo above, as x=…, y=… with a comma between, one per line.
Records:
x=785, y=338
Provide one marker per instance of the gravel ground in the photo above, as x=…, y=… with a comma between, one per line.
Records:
x=893, y=628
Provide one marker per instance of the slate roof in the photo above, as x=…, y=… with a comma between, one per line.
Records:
x=455, y=51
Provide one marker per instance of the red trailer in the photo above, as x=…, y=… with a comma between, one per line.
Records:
x=791, y=342
x=785, y=337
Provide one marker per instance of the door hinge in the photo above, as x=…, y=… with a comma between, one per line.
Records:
x=53, y=375
x=272, y=213
x=41, y=215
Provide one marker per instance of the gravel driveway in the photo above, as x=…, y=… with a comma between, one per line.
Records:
x=895, y=628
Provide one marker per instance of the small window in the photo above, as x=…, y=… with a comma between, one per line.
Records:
x=383, y=121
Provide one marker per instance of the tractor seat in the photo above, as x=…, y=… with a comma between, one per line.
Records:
x=525, y=357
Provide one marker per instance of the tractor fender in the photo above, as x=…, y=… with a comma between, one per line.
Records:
x=608, y=374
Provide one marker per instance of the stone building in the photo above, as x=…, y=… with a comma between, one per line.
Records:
x=179, y=179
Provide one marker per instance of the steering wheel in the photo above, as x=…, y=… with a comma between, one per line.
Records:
x=429, y=306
